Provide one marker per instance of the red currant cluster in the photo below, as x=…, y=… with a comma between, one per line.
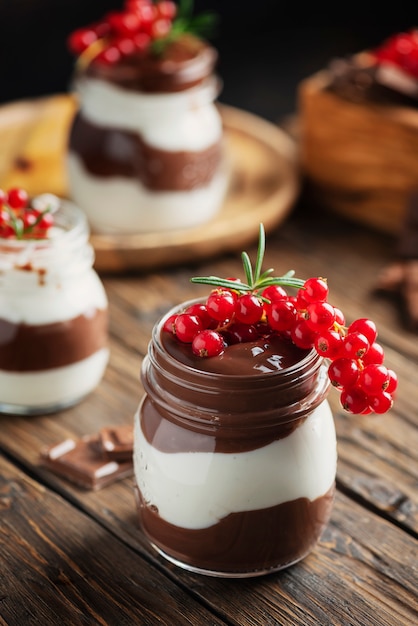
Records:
x=356, y=360
x=400, y=50
x=123, y=33
x=237, y=312
x=21, y=220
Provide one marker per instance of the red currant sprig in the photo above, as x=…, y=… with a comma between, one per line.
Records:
x=237, y=312
x=141, y=26
x=21, y=219
x=400, y=50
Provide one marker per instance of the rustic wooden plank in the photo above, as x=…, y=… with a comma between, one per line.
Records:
x=59, y=566
x=362, y=572
x=360, y=557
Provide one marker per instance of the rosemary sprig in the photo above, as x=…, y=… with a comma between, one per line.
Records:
x=202, y=25
x=257, y=280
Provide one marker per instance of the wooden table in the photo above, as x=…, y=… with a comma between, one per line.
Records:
x=74, y=557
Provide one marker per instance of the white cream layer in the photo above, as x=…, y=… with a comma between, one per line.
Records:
x=30, y=298
x=197, y=489
x=186, y=120
x=124, y=205
x=57, y=386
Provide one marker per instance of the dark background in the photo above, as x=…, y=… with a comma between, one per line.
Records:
x=266, y=46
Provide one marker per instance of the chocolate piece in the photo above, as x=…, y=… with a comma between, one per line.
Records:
x=81, y=462
x=33, y=348
x=116, y=442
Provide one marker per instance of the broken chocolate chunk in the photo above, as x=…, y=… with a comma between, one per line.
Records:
x=81, y=462
x=117, y=442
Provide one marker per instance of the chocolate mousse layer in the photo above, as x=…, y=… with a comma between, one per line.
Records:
x=256, y=540
x=32, y=348
x=182, y=64
x=255, y=393
x=110, y=152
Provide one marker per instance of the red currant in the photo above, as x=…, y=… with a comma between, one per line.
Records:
x=81, y=39
x=393, y=381
x=207, y=343
x=201, y=312
x=375, y=354
x=316, y=290
x=17, y=198
x=240, y=333
x=282, y=315
x=354, y=400
x=248, y=309
x=221, y=304
x=381, y=403
x=356, y=345
x=329, y=344
x=343, y=372
x=374, y=378
x=321, y=316
x=169, y=325
x=187, y=326
x=301, y=335
x=274, y=293
x=166, y=9
x=366, y=327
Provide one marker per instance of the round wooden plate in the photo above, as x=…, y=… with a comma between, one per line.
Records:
x=263, y=188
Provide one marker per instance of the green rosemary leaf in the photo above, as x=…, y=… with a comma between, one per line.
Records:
x=185, y=9
x=265, y=274
x=216, y=281
x=247, y=269
x=284, y=281
x=260, y=253
x=204, y=24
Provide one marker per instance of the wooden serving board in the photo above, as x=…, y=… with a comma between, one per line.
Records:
x=263, y=188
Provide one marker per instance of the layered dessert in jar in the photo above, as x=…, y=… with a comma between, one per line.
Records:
x=234, y=441
x=146, y=150
x=53, y=307
x=359, y=124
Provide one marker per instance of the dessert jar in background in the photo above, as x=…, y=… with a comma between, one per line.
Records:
x=146, y=149
x=234, y=455
x=53, y=317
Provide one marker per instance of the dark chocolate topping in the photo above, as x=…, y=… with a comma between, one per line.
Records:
x=252, y=358
x=258, y=393
x=359, y=83
x=32, y=348
x=111, y=152
x=185, y=62
x=251, y=540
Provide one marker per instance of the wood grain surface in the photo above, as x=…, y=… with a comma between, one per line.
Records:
x=72, y=556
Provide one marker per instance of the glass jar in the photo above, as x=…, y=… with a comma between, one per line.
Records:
x=234, y=456
x=146, y=150
x=53, y=318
